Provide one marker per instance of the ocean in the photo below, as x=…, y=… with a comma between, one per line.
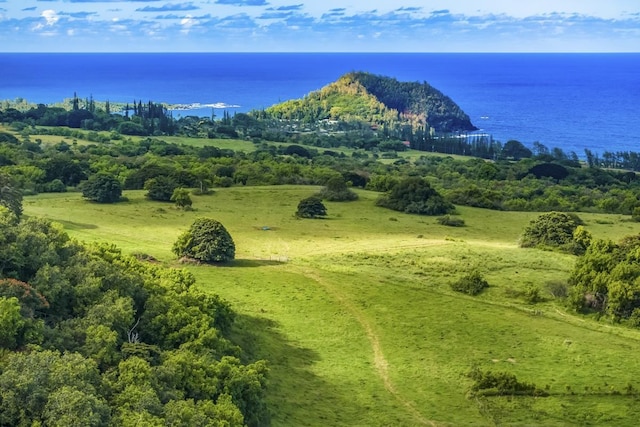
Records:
x=571, y=101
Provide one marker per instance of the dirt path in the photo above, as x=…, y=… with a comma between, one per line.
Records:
x=380, y=363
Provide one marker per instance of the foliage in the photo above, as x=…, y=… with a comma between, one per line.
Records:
x=470, y=284
x=415, y=195
x=556, y=230
x=207, y=241
x=10, y=195
x=311, y=207
x=103, y=339
x=160, y=188
x=450, y=221
x=181, y=198
x=515, y=150
x=370, y=98
x=102, y=188
x=488, y=383
x=606, y=279
x=552, y=170
x=336, y=190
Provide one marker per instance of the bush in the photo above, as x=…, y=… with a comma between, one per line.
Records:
x=336, y=190
x=311, y=207
x=160, y=188
x=556, y=230
x=207, y=241
x=55, y=186
x=471, y=284
x=501, y=384
x=557, y=288
x=450, y=221
x=181, y=198
x=102, y=188
x=415, y=195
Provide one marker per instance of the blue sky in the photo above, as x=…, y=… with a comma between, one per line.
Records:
x=316, y=26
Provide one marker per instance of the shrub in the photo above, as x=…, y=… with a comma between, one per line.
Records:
x=415, y=195
x=450, y=221
x=207, y=241
x=336, y=190
x=102, y=188
x=471, y=284
x=556, y=230
x=55, y=186
x=311, y=207
x=160, y=188
x=557, y=288
x=181, y=198
x=489, y=383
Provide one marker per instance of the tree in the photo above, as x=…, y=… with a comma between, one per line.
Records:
x=556, y=230
x=311, y=207
x=11, y=322
x=181, y=198
x=10, y=195
x=206, y=240
x=515, y=150
x=415, y=195
x=336, y=190
x=160, y=188
x=102, y=188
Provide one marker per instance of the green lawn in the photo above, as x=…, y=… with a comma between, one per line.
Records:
x=357, y=320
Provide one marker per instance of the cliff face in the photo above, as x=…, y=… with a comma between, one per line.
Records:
x=380, y=100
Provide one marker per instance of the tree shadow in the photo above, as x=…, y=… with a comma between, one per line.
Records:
x=70, y=225
x=294, y=392
x=257, y=262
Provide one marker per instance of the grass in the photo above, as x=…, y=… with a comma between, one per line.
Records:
x=357, y=319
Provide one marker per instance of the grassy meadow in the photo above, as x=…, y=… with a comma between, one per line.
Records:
x=355, y=315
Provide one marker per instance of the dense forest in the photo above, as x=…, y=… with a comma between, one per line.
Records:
x=89, y=334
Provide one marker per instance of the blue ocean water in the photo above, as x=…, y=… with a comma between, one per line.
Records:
x=571, y=101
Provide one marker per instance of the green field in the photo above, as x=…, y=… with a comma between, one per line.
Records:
x=355, y=315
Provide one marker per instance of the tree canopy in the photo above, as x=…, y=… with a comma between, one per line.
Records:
x=91, y=337
x=102, y=188
x=10, y=195
x=606, y=279
x=556, y=230
x=207, y=240
x=415, y=195
x=311, y=207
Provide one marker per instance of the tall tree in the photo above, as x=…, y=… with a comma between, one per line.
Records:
x=10, y=195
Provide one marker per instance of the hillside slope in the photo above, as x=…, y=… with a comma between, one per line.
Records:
x=377, y=100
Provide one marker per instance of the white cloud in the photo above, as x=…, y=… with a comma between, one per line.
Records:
x=187, y=22
x=50, y=16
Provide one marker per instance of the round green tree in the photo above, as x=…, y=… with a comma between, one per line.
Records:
x=160, y=188
x=556, y=230
x=337, y=190
x=311, y=207
x=206, y=240
x=415, y=195
x=181, y=198
x=102, y=188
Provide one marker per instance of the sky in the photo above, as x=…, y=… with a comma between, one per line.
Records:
x=320, y=26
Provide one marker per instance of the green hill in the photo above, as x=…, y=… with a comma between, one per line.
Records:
x=379, y=100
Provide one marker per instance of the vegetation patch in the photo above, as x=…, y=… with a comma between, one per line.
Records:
x=471, y=284
x=311, y=207
x=450, y=221
x=556, y=230
x=489, y=383
x=416, y=196
x=206, y=241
